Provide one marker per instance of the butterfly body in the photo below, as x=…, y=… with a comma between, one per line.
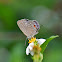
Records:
x=28, y=27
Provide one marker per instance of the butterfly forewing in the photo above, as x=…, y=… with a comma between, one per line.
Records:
x=27, y=27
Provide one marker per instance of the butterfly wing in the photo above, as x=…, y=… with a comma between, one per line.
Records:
x=33, y=30
x=27, y=27
x=36, y=25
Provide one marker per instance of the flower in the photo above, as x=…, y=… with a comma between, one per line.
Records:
x=32, y=40
x=40, y=41
x=34, y=46
x=36, y=49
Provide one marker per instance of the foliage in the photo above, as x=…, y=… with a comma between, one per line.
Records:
x=43, y=46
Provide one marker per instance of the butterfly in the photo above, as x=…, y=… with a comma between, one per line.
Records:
x=28, y=27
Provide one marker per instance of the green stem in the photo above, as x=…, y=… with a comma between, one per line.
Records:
x=38, y=58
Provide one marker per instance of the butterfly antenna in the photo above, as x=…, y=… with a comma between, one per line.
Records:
x=25, y=40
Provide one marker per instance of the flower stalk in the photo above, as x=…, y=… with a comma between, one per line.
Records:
x=38, y=57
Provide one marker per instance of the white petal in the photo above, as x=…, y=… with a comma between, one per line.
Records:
x=32, y=53
x=41, y=41
x=27, y=51
x=31, y=46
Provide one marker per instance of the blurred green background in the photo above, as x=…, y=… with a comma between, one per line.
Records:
x=12, y=41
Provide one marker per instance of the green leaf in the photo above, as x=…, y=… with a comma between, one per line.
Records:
x=44, y=45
